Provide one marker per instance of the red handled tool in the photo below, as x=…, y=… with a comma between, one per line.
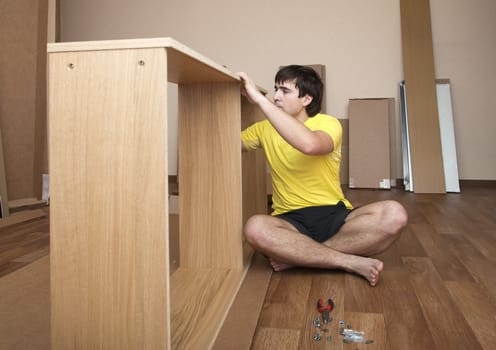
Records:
x=325, y=310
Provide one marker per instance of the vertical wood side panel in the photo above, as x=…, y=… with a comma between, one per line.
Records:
x=254, y=173
x=109, y=228
x=210, y=175
x=423, y=121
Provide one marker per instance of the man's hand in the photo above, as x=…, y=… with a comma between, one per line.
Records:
x=249, y=89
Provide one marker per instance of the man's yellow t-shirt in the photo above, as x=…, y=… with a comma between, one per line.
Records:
x=300, y=180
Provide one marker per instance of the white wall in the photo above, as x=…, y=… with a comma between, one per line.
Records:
x=358, y=41
x=464, y=35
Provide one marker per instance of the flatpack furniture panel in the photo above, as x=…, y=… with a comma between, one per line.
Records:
x=23, y=36
x=110, y=276
x=423, y=121
x=369, y=143
x=108, y=158
x=208, y=132
x=448, y=144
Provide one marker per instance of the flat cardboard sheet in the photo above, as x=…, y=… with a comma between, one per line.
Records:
x=369, y=143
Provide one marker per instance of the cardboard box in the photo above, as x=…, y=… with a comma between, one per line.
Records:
x=369, y=142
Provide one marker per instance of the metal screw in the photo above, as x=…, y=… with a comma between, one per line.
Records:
x=71, y=66
x=317, y=337
x=141, y=62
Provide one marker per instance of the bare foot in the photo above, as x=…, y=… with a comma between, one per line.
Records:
x=279, y=266
x=366, y=267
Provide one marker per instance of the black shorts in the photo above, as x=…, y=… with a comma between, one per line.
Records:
x=319, y=223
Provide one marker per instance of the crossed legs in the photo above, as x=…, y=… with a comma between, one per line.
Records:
x=368, y=230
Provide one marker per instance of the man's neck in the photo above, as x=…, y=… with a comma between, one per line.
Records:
x=302, y=116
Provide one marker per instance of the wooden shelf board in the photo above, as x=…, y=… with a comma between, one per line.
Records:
x=184, y=64
x=200, y=301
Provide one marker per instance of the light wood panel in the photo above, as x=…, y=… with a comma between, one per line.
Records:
x=198, y=303
x=240, y=324
x=108, y=156
x=184, y=64
x=210, y=168
x=254, y=172
x=110, y=230
x=423, y=120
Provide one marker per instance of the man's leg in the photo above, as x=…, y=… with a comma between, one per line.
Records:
x=286, y=247
x=371, y=229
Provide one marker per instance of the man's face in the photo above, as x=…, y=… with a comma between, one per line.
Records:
x=286, y=98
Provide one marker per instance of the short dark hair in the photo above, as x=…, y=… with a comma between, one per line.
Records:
x=307, y=81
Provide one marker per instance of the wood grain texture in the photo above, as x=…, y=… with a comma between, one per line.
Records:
x=420, y=309
x=478, y=309
x=110, y=230
x=434, y=299
x=406, y=326
x=198, y=305
x=423, y=120
x=22, y=216
x=437, y=290
x=185, y=65
x=286, y=300
x=276, y=338
x=210, y=175
x=240, y=324
x=108, y=156
x=253, y=172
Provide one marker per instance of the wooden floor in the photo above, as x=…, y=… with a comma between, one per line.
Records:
x=437, y=291
x=24, y=238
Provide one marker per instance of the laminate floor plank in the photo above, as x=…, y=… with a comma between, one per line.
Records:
x=360, y=297
x=441, y=214
x=405, y=322
x=447, y=264
x=484, y=273
x=478, y=309
x=447, y=325
x=485, y=241
x=324, y=285
x=276, y=338
x=286, y=300
x=373, y=327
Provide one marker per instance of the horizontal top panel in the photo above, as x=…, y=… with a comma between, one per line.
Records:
x=184, y=64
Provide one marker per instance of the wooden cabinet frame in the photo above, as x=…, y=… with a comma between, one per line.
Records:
x=110, y=280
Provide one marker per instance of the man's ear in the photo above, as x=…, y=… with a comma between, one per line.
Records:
x=306, y=100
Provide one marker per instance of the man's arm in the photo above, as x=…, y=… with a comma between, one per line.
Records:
x=292, y=130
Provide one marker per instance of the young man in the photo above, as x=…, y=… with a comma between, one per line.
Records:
x=312, y=224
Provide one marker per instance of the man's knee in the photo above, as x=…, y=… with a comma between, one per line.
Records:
x=395, y=217
x=254, y=229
